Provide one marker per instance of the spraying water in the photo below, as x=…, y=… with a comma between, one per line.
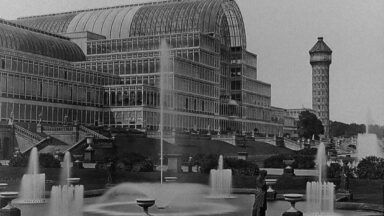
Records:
x=221, y=181
x=320, y=195
x=164, y=68
x=321, y=159
x=33, y=184
x=368, y=145
x=66, y=169
x=66, y=200
x=33, y=163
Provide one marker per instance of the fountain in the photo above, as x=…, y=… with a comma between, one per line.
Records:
x=66, y=200
x=32, y=191
x=221, y=181
x=164, y=68
x=321, y=159
x=174, y=199
x=66, y=169
x=368, y=145
x=320, y=195
x=65, y=175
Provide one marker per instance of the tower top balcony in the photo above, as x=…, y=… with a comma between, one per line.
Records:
x=320, y=52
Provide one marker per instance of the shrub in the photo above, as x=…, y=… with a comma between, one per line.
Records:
x=309, y=151
x=276, y=161
x=303, y=162
x=371, y=168
x=48, y=161
x=334, y=170
x=18, y=160
x=304, y=159
x=45, y=161
x=241, y=167
x=143, y=166
x=205, y=162
x=135, y=162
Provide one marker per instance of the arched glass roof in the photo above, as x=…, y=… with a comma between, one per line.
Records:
x=57, y=24
x=23, y=39
x=151, y=19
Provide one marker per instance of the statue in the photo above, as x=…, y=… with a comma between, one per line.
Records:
x=344, y=192
x=344, y=179
x=65, y=119
x=40, y=117
x=11, y=118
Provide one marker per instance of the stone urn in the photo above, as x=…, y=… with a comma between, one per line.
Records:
x=293, y=198
x=145, y=204
x=288, y=170
x=6, y=204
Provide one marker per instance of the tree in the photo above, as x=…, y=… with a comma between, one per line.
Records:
x=339, y=129
x=309, y=125
x=371, y=167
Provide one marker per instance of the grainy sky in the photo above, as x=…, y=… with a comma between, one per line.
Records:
x=281, y=32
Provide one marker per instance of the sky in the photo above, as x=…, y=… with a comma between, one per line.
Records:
x=281, y=32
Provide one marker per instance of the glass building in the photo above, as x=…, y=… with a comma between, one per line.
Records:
x=102, y=67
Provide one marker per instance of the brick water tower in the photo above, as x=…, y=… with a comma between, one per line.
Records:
x=321, y=59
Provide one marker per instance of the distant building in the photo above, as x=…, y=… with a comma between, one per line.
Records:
x=295, y=113
x=320, y=59
x=281, y=116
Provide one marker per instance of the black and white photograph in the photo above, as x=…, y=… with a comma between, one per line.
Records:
x=191, y=107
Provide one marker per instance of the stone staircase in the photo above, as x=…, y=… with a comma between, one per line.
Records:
x=50, y=138
x=27, y=139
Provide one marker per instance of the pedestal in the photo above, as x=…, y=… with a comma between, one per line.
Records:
x=8, y=209
x=271, y=193
x=289, y=171
x=174, y=163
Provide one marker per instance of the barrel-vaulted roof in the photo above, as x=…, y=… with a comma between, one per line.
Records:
x=167, y=17
x=25, y=39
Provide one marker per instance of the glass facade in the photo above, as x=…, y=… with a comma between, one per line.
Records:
x=211, y=81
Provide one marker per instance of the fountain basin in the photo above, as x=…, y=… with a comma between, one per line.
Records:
x=73, y=181
x=31, y=207
x=178, y=209
x=293, y=197
x=9, y=195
